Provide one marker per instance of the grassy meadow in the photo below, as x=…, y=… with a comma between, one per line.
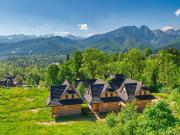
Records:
x=23, y=111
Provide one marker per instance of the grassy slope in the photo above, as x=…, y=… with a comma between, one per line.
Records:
x=22, y=109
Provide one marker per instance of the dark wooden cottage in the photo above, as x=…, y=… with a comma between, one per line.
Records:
x=102, y=98
x=132, y=90
x=65, y=100
x=8, y=81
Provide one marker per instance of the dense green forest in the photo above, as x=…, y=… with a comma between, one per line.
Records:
x=158, y=71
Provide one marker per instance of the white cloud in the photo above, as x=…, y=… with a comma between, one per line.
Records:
x=177, y=13
x=165, y=28
x=83, y=26
x=64, y=33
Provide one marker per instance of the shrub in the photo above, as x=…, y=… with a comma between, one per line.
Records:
x=111, y=120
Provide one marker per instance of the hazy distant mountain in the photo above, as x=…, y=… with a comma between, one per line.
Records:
x=15, y=38
x=173, y=44
x=51, y=45
x=118, y=40
x=74, y=37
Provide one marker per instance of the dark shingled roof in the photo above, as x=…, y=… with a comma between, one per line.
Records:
x=58, y=91
x=111, y=99
x=95, y=94
x=57, y=102
x=116, y=83
x=130, y=89
x=96, y=89
x=145, y=97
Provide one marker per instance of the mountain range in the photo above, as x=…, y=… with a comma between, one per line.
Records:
x=115, y=41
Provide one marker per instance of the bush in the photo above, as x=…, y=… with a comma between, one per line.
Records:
x=159, y=117
x=111, y=120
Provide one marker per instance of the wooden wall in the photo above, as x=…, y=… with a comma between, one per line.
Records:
x=109, y=94
x=141, y=104
x=106, y=107
x=70, y=96
x=66, y=110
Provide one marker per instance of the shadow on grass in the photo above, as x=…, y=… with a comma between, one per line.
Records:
x=75, y=118
x=86, y=115
x=82, y=118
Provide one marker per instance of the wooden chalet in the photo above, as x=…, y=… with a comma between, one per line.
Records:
x=65, y=100
x=102, y=98
x=132, y=90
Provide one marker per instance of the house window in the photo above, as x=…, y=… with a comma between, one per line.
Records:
x=106, y=94
x=111, y=94
x=72, y=96
x=66, y=96
x=145, y=93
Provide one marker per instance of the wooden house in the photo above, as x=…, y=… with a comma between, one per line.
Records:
x=132, y=91
x=65, y=100
x=102, y=98
x=8, y=81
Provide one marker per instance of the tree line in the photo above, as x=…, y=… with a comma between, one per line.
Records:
x=158, y=71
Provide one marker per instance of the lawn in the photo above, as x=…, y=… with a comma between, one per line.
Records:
x=24, y=111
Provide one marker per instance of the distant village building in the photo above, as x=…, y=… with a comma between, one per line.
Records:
x=8, y=81
x=65, y=100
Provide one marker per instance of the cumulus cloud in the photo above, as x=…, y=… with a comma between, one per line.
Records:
x=177, y=13
x=83, y=26
x=165, y=28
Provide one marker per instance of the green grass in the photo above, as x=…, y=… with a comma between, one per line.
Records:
x=24, y=111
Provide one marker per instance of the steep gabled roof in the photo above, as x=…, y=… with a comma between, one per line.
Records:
x=56, y=92
x=107, y=87
x=116, y=83
x=130, y=89
x=95, y=92
x=96, y=89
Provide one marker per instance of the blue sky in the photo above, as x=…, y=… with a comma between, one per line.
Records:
x=84, y=17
